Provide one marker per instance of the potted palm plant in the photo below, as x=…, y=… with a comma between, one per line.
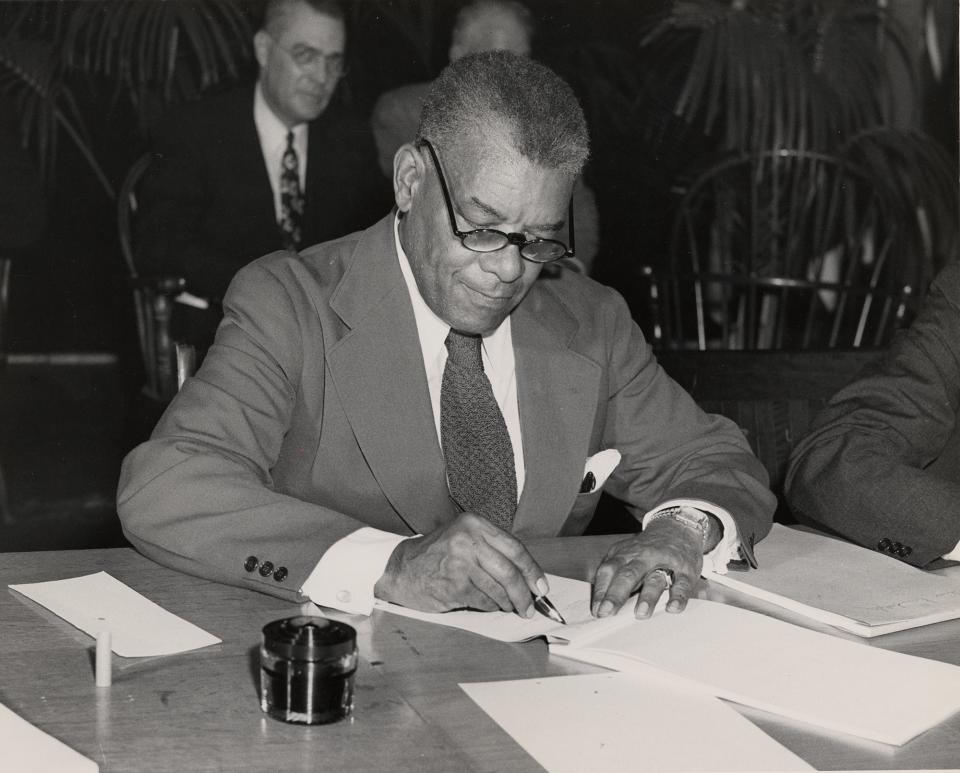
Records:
x=769, y=84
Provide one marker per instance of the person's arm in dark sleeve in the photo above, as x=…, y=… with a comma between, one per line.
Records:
x=869, y=468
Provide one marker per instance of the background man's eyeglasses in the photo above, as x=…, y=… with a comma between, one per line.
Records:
x=490, y=239
x=310, y=59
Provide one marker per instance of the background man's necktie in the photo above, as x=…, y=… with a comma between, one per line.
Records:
x=476, y=444
x=291, y=198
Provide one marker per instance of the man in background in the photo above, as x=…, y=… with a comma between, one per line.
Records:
x=481, y=25
x=273, y=165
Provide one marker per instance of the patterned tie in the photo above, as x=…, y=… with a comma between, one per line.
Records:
x=476, y=444
x=291, y=199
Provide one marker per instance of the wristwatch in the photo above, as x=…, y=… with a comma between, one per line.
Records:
x=690, y=517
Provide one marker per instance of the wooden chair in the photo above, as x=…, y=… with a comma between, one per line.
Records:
x=781, y=250
x=153, y=299
x=773, y=396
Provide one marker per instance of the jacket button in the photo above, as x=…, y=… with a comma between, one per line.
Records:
x=907, y=550
x=251, y=563
x=265, y=568
x=883, y=544
x=902, y=550
x=281, y=574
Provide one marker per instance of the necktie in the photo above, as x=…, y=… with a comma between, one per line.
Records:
x=291, y=198
x=476, y=444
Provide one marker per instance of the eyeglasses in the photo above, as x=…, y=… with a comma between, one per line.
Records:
x=490, y=239
x=308, y=59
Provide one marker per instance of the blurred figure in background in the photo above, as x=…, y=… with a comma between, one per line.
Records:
x=277, y=164
x=481, y=25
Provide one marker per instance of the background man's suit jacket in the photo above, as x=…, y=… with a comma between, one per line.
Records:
x=311, y=417
x=881, y=465
x=207, y=205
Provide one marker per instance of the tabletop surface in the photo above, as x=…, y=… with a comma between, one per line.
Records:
x=199, y=711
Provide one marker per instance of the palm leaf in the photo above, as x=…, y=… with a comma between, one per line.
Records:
x=29, y=78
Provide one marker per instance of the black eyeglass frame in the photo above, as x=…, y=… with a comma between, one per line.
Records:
x=517, y=239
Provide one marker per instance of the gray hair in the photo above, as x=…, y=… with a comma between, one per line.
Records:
x=536, y=107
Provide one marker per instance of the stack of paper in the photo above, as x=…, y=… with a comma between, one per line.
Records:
x=841, y=584
x=755, y=660
x=26, y=747
x=745, y=657
x=570, y=724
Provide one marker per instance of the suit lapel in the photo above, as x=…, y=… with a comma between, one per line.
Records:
x=378, y=372
x=557, y=393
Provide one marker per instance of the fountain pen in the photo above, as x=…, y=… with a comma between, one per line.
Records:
x=544, y=606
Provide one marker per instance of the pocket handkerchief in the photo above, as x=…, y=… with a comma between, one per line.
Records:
x=599, y=466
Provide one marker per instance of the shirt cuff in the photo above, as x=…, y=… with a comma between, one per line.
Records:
x=727, y=549
x=346, y=574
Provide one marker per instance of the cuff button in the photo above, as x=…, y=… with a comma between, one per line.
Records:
x=251, y=563
x=280, y=574
x=344, y=596
x=265, y=568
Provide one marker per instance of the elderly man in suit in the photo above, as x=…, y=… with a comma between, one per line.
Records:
x=276, y=164
x=881, y=465
x=393, y=413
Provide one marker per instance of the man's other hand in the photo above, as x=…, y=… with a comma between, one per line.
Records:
x=631, y=563
x=467, y=563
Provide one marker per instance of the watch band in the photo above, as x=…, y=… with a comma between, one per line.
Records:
x=693, y=519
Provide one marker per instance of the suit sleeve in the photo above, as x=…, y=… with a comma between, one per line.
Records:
x=671, y=448
x=199, y=496
x=865, y=470
x=173, y=198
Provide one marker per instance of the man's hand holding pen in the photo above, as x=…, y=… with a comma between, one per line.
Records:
x=467, y=563
x=666, y=556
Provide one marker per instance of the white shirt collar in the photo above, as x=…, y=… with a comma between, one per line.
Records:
x=273, y=131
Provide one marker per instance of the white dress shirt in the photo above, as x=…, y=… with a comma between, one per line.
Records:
x=346, y=574
x=273, y=144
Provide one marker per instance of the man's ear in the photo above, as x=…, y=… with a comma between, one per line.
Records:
x=408, y=173
x=261, y=47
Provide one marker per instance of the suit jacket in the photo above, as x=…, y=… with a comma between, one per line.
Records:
x=311, y=417
x=206, y=204
x=881, y=465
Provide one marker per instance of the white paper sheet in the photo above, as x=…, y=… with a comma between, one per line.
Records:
x=844, y=585
x=570, y=597
x=27, y=748
x=99, y=602
x=620, y=722
x=755, y=660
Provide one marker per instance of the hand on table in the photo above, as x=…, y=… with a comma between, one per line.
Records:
x=467, y=563
x=630, y=564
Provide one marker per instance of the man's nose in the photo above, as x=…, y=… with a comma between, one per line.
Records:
x=506, y=263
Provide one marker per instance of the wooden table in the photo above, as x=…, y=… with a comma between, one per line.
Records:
x=199, y=711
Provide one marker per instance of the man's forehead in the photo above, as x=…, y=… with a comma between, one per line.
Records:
x=304, y=25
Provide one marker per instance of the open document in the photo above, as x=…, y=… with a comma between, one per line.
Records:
x=844, y=585
x=744, y=657
x=613, y=722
